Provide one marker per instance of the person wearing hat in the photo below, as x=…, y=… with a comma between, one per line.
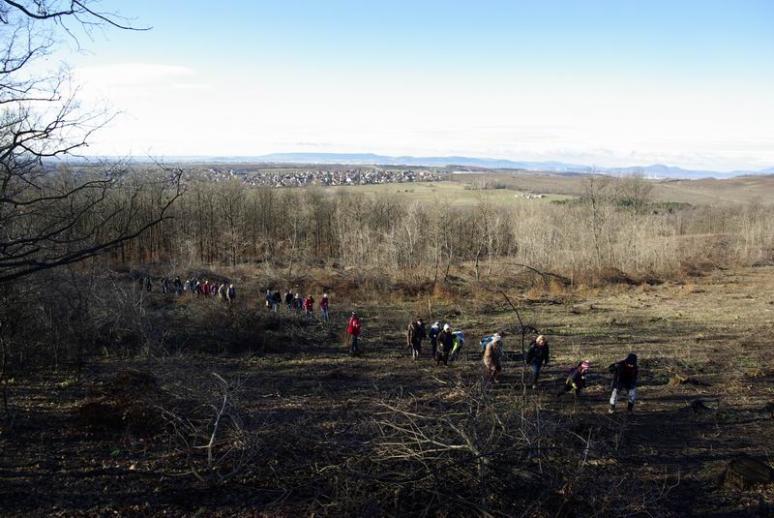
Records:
x=414, y=336
x=324, y=303
x=435, y=330
x=353, y=330
x=445, y=343
x=537, y=356
x=625, y=374
x=492, y=356
x=576, y=380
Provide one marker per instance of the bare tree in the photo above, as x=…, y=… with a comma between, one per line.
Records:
x=50, y=217
x=594, y=187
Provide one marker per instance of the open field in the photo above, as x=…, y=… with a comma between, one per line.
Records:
x=453, y=192
x=743, y=189
x=313, y=412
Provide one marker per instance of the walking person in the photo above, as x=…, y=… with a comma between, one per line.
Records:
x=458, y=340
x=222, y=292
x=537, y=356
x=445, y=344
x=309, y=307
x=353, y=330
x=268, y=297
x=324, y=302
x=298, y=303
x=231, y=293
x=289, y=300
x=493, y=352
x=576, y=379
x=276, y=300
x=435, y=330
x=625, y=374
x=414, y=336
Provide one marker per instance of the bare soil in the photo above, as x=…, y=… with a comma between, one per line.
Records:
x=706, y=393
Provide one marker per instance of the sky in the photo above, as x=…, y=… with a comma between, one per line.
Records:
x=607, y=83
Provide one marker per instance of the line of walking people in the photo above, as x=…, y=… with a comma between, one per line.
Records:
x=203, y=288
x=297, y=304
x=446, y=345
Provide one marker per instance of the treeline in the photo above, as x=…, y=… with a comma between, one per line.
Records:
x=614, y=225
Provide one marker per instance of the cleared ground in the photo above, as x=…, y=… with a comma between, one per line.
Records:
x=310, y=406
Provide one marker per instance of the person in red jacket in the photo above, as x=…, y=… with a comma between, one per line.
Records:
x=308, y=306
x=353, y=330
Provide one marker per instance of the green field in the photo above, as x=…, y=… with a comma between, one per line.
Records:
x=459, y=193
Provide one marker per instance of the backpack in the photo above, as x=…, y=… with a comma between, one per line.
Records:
x=485, y=341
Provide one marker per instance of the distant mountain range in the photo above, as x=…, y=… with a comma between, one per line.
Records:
x=650, y=171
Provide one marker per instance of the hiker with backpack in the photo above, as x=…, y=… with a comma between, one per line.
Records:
x=435, y=330
x=537, y=356
x=625, y=374
x=576, y=379
x=445, y=344
x=353, y=330
x=414, y=336
x=458, y=340
x=493, y=351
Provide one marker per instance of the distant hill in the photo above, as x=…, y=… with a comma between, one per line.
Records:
x=651, y=171
x=658, y=171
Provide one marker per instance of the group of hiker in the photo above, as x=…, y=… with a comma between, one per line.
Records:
x=446, y=345
x=224, y=291
x=206, y=288
x=295, y=303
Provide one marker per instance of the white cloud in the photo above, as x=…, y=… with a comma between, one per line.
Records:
x=132, y=75
x=176, y=110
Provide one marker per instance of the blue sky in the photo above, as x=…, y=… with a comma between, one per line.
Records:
x=612, y=83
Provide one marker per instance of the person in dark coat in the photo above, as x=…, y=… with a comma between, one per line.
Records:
x=537, y=356
x=435, y=330
x=289, y=300
x=445, y=344
x=414, y=336
x=576, y=380
x=625, y=374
